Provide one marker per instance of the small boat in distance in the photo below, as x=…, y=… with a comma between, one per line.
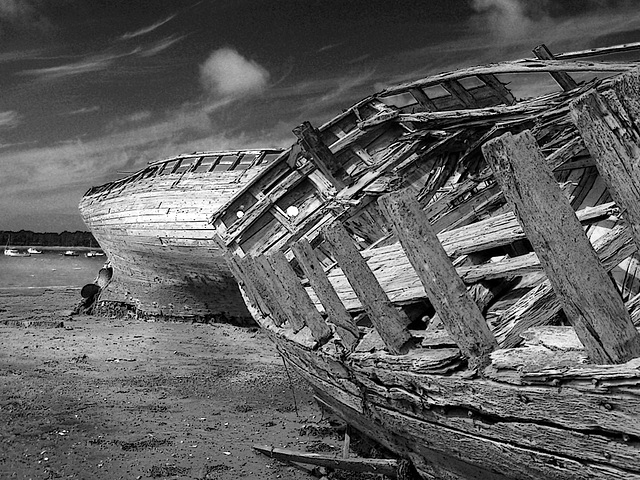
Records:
x=33, y=251
x=70, y=253
x=93, y=253
x=14, y=252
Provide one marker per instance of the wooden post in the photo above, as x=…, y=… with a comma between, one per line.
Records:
x=264, y=288
x=610, y=127
x=563, y=79
x=446, y=291
x=326, y=162
x=336, y=311
x=390, y=323
x=588, y=296
x=279, y=292
x=244, y=280
x=297, y=300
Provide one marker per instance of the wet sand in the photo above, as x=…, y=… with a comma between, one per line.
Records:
x=105, y=398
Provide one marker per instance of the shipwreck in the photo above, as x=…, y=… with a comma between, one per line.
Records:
x=154, y=226
x=452, y=265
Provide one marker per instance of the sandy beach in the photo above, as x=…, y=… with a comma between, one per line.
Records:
x=87, y=397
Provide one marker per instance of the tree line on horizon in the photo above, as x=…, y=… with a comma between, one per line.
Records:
x=48, y=239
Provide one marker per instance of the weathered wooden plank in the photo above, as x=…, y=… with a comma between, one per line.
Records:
x=390, y=322
x=527, y=66
x=297, y=300
x=326, y=162
x=609, y=127
x=245, y=281
x=446, y=291
x=365, y=465
x=336, y=311
x=563, y=79
x=588, y=297
x=264, y=288
x=277, y=292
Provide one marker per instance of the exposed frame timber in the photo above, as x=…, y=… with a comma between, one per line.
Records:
x=390, y=323
x=446, y=291
x=584, y=289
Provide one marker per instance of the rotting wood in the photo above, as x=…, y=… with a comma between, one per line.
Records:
x=265, y=288
x=585, y=291
x=337, y=313
x=297, y=299
x=390, y=322
x=561, y=78
x=364, y=465
x=320, y=153
x=609, y=126
x=278, y=291
x=446, y=291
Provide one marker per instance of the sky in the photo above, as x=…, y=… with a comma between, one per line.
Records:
x=93, y=89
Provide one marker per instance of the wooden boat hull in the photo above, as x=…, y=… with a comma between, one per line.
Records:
x=155, y=228
x=476, y=322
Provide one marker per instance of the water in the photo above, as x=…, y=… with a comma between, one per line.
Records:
x=49, y=269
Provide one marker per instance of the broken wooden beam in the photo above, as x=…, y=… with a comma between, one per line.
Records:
x=363, y=465
x=588, y=297
x=390, y=323
x=337, y=313
x=321, y=156
x=563, y=79
x=446, y=291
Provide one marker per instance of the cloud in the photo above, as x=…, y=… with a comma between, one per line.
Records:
x=507, y=18
x=8, y=119
x=23, y=13
x=83, y=111
x=229, y=74
x=88, y=65
x=159, y=46
x=145, y=30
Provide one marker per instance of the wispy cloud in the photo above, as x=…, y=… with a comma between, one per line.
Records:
x=159, y=46
x=9, y=119
x=229, y=74
x=91, y=64
x=83, y=111
x=145, y=30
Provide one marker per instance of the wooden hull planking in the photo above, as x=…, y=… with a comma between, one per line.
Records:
x=155, y=228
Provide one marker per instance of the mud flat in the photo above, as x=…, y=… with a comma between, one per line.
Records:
x=101, y=398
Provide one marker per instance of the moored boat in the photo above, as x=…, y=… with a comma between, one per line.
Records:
x=154, y=226
x=452, y=266
x=33, y=251
x=14, y=252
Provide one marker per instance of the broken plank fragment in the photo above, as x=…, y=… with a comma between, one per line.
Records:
x=296, y=300
x=446, y=291
x=584, y=289
x=389, y=321
x=336, y=311
x=364, y=465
